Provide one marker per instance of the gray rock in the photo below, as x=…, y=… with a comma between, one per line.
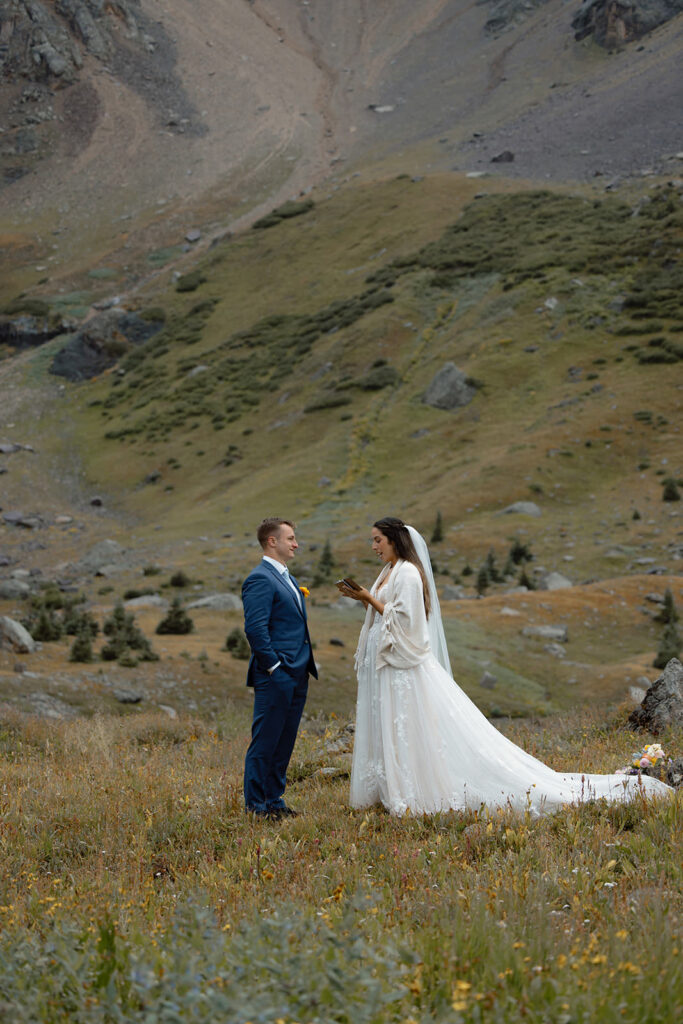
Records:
x=559, y=634
x=103, y=555
x=124, y=696
x=555, y=650
x=613, y=25
x=107, y=571
x=662, y=706
x=655, y=598
x=47, y=706
x=674, y=772
x=168, y=710
x=16, y=635
x=554, y=581
x=146, y=601
x=449, y=389
x=13, y=590
x=488, y=681
x=99, y=343
x=193, y=235
x=218, y=602
x=522, y=508
x=510, y=611
x=636, y=694
x=451, y=592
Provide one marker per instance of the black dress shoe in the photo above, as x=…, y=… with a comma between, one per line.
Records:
x=288, y=812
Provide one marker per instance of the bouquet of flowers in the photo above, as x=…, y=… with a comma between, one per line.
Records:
x=650, y=761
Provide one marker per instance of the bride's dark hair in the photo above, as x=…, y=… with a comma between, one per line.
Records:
x=397, y=532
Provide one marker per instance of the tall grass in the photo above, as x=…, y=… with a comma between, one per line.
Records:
x=133, y=887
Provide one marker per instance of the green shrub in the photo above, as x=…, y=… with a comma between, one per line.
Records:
x=284, y=212
x=47, y=627
x=671, y=491
x=176, y=622
x=180, y=579
x=81, y=648
x=437, y=532
x=332, y=401
x=190, y=282
x=125, y=636
x=238, y=645
x=28, y=306
x=669, y=646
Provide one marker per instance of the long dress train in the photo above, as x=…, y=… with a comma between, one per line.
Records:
x=421, y=745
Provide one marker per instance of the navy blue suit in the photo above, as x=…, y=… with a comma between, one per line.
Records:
x=277, y=630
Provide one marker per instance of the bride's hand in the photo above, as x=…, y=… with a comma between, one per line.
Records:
x=358, y=595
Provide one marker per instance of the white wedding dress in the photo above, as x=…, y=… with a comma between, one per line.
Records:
x=421, y=745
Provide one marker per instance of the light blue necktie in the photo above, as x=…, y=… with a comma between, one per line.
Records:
x=289, y=580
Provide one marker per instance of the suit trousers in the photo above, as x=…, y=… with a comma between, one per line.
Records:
x=278, y=705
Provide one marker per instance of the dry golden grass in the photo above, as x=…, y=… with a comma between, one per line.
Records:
x=119, y=837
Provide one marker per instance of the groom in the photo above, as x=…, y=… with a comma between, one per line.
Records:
x=281, y=660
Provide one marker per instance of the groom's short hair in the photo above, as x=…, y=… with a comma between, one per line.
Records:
x=271, y=526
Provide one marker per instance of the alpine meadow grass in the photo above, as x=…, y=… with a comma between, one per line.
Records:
x=134, y=887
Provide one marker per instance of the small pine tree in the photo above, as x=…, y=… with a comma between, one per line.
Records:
x=467, y=571
x=671, y=491
x=669, y=612
x=669, y=646
x=483, y=580
x=526, y=581
x=325, y=565
x=180, y=579
x=492, y=568
x=176, y=621
x=636, y=514
x=509, y=567
x=238, y=645
x=48, y=628
x=75, y=622
x=520, y=552
x=123, y=633
x=437, y=532
x=81, y=648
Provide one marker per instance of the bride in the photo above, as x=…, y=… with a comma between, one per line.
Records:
x=421, y=745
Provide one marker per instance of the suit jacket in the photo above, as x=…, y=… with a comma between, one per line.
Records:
x=276, y=626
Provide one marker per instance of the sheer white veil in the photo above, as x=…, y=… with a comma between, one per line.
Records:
x=437, y=637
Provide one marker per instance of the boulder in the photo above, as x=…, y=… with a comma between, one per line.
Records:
x=17, y=636
x=674, y=772
x=555, y=649
x=451, y=592
x=218, y=603
x=146, y=601
x=636, y=694
x=124, y=696
x=612, y=23
x=105, y=553
x=557, y=634
x=554, y=581
x=13, y=590
x=100, y=343
x=662, y=705
x=522, y=508
x=449, y=389
x=488, y=681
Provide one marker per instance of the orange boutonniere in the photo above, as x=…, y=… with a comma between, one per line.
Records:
x=305, y=591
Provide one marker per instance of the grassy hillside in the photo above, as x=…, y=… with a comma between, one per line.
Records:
x=320, y=334
x=289, y=380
